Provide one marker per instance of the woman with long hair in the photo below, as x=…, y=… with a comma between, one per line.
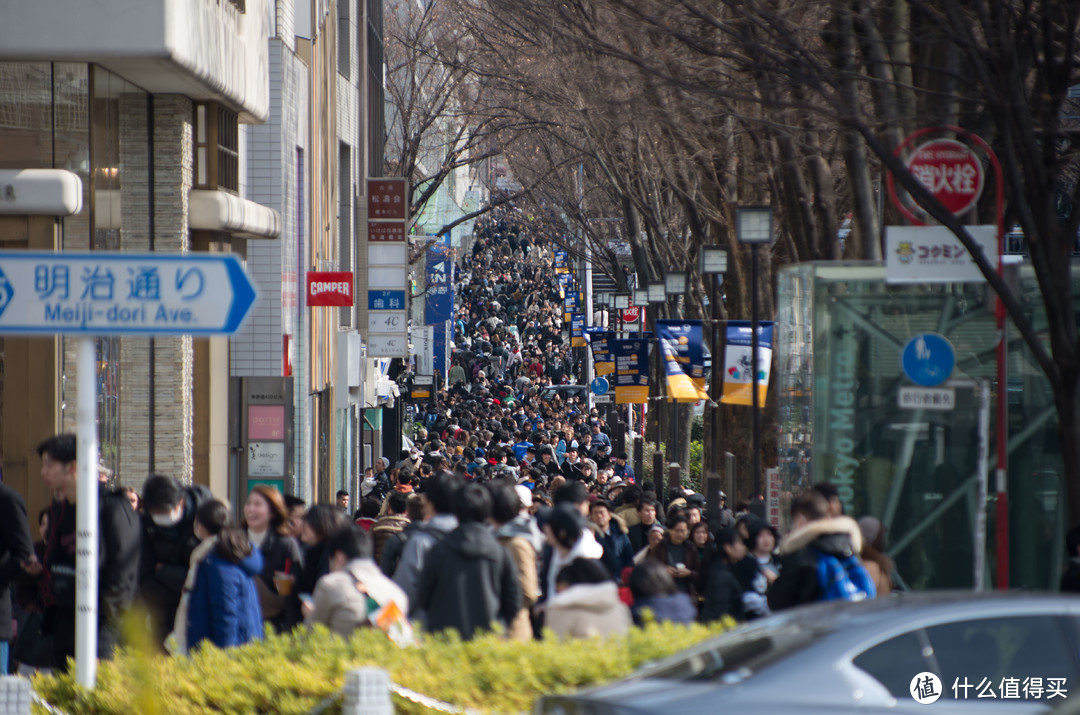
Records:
x=266, y=520
x=320, y=523
x=219, y=602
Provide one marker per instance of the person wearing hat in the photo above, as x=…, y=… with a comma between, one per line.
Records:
x=622, y=468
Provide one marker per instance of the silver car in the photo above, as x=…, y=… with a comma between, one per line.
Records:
x=955, y=652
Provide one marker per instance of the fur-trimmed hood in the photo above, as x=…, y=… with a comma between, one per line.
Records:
x=839, y=536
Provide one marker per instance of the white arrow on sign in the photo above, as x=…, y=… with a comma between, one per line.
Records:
x=104, y=293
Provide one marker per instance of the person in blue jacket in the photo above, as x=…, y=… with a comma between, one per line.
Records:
x=224, y=605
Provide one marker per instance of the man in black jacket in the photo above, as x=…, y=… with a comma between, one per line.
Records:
x=118, y=552
x=168, y=538
x=16, y=548
x=469, y=580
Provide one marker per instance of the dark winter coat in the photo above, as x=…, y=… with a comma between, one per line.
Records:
x=618, y=554
x=164, y=556
x=279, y=551
x=118, y=572
x=468, y=582
x=687, y=584
x=224, y=606
x=723, y=594
x=16, y=547
x=676, y=608
x=798, y=581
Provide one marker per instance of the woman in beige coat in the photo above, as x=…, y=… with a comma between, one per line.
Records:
x=586, y=603
x=517, y=532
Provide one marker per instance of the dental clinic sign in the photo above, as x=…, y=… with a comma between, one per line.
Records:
x=101, y=293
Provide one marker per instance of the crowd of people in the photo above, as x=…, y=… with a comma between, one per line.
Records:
x=514, y=507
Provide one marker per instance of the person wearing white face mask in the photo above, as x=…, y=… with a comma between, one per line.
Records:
x=168, y=539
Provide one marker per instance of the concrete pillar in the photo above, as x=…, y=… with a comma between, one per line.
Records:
x=367, y=692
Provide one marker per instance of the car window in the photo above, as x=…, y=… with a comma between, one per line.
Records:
x=894, y=663
x=1000, y=652
x=983, y=655
x=737, y=656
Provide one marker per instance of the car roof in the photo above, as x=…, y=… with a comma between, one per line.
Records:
x=849, y=624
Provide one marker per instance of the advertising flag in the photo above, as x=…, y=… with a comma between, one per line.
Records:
x=683, y=356
x=631, y=371
x=562, y=262
x=599, y=340
x=571, y=304
x=738, y=379
x=566, y=281
x=577, y=327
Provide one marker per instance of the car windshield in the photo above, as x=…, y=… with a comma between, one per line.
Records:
x=737, y=656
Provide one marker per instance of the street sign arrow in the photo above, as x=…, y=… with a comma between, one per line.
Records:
x=104, y=293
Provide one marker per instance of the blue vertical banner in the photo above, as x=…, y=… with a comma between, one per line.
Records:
x=599, y=339
x=577, y=327
x=683, y=355
x=738, y=378
x=631, y=371
x=562, y=262
x=439, y=301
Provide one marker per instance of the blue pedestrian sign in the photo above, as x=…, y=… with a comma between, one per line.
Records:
x=105, y=293
x=928, y=359
x=599, y=386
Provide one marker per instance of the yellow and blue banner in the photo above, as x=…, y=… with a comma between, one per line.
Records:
x=599, y=339
x=738, y=380
x=562, y=262
x=631, y=371
x=683, y=355
x=577, y=327
x=571, y=304
x=566, y=283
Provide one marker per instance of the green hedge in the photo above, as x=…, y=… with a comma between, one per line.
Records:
x=294, y=672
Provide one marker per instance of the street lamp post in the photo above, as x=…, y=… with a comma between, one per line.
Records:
x=714, y=261
x=657, y=296
x=675, y=281
x=753, y=226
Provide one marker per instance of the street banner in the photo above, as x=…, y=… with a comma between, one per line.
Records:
x=562, y=262
x=631, y=371
x=682, y=353
x=566, y=281
x=577, y=327
x=439, y=302
x=600, y=342
x=571, y=304
x=738, y=379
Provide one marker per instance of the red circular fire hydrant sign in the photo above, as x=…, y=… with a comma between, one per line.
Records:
x=950, y=171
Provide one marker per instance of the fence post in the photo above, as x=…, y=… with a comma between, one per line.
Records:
x=14, y=695
x=367, y=692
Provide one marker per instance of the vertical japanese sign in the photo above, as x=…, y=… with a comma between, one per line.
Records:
x=738, y=378
x=599, y=340
x=577, y=327
x=387, y=199
x=631, y=371
x=683, y=356
x=439, y=300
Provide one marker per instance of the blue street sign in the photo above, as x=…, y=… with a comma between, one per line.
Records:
x=599, y=386
x=386, y=300
x=928, y=359
x=105, y=293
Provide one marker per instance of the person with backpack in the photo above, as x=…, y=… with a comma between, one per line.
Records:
x=819, y=559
